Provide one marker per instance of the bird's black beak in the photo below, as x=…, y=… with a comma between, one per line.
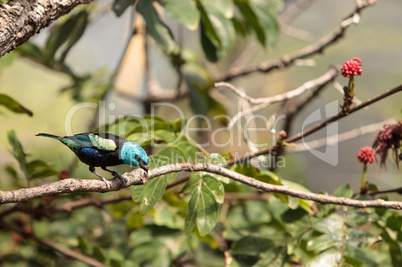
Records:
x=142, y=164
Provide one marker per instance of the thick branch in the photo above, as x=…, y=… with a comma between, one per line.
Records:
x=22, y=19
x=134, y=177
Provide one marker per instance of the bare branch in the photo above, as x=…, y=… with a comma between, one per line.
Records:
x=266, y=101
x=288, y=60
x=134, y=177
x=320, y=125
x=22, y=19
x=56, y=247
x=341, y=137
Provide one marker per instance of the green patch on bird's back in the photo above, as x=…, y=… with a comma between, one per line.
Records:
x=102, y=143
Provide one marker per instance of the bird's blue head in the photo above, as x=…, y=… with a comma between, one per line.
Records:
x=133, y=155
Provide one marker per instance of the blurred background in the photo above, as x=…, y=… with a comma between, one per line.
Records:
x=377, y=40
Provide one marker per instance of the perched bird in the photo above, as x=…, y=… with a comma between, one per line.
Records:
x=102, y=150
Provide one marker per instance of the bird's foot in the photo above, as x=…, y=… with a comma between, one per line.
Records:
x=107, y=182
x=123, y=179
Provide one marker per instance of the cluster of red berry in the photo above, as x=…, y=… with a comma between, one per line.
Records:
x=352, y=67
x=366, y=155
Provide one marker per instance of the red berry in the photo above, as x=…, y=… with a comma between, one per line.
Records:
x=352, y=67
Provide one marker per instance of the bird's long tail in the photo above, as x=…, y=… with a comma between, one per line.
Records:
x=50, y=136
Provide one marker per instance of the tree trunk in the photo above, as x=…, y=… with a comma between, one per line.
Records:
x=21, y=19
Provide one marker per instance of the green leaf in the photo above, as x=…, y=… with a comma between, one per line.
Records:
x=30, y=50
x=183, y=11
x=252, y=245
x=18, y=151
x=323, y=242
x=192, y=183
x=357, y=218
x=60, y=35
x=266, y=13
x=215, y=186
x=156, y=28
x=81, y=22
x=250, y=16
x=330, y=257
x=40, y=169
x=344, y=191
x=13, y=105
x=331, y=224
x=203, y=207
x=360, y=238
x=217, y=31
x=6, y=60
x=119, y=6
x=134, y=221
x=150, y=193
x=273, y=257
x=98, y=254
x=165, y=135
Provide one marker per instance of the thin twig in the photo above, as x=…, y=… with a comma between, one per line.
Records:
x=319, y=126
x=56, y=247
x=332, y=140
x=134, y=177
x=261, y=103
x=288, y=60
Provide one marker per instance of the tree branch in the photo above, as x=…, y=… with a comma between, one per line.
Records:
x=264, y=102
x=56, y=247
x=319, y=126
x=22, y=19
x=136, y=177
x=288, y=60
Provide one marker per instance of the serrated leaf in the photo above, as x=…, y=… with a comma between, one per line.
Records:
x=13, y=105
x=183, y=11
x=156, y=28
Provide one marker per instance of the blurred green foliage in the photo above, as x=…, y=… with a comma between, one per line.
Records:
x=191, y=222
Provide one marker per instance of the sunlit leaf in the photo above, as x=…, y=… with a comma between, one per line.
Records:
x=183, y=11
